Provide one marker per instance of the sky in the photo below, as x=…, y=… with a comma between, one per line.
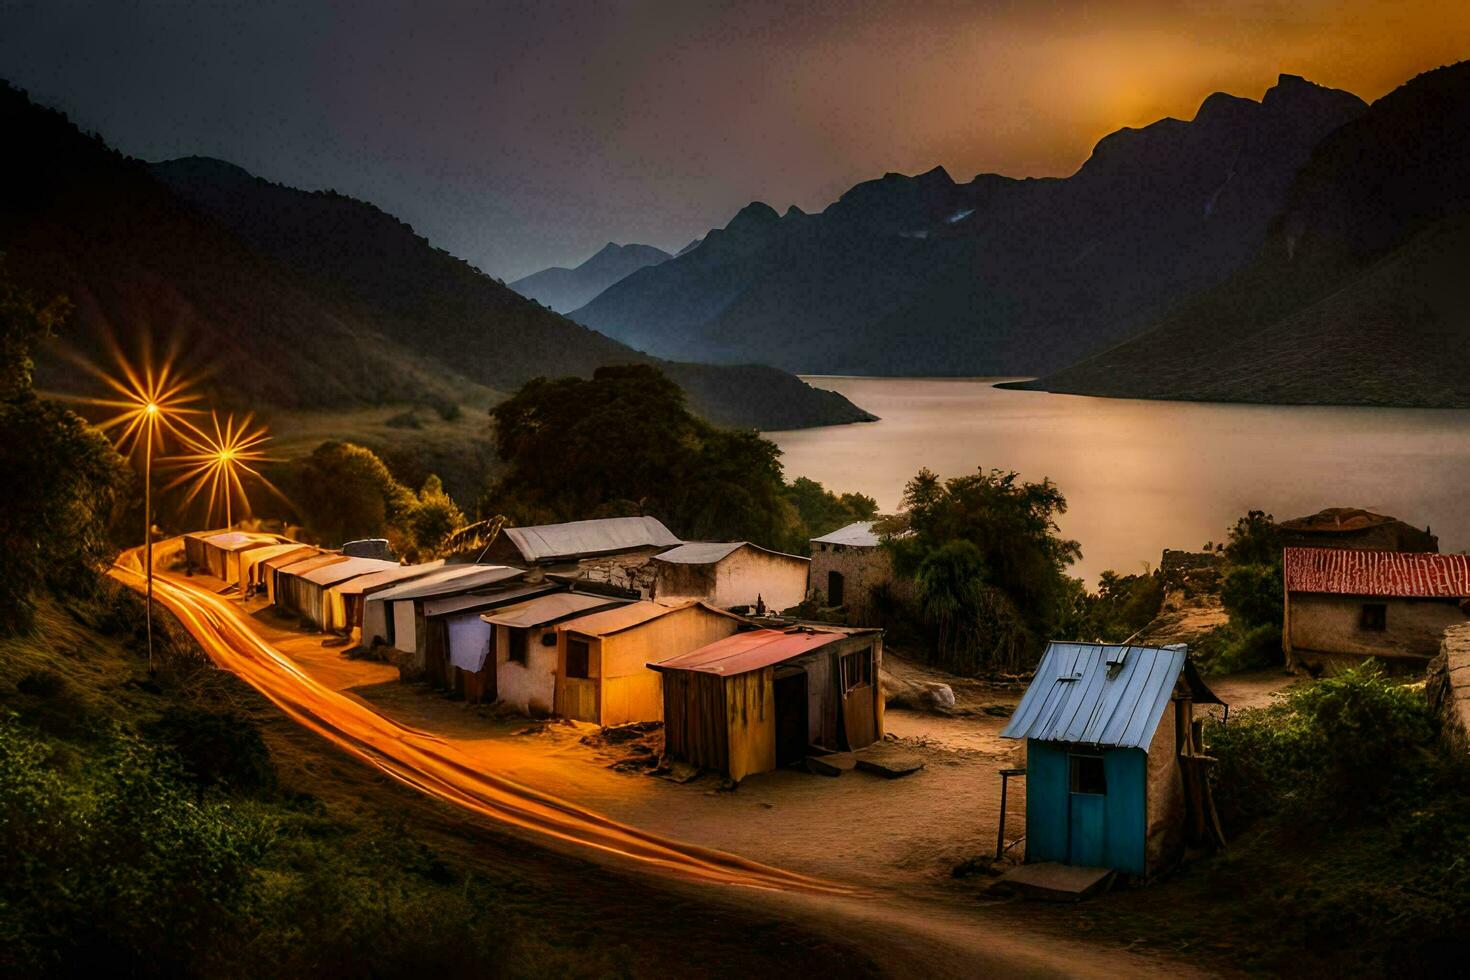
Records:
x=519, y=136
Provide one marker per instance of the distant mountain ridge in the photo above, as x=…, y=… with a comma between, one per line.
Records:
x=298, y=299
x=1358, y=295
x=565, y=289
x=924, y=275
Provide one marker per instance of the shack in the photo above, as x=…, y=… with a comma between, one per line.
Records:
x=613, y=550
x=308, y=595
x=345, y=599
x=522, y=673
x=1343, y=606
x=1353, y=527
x=395, y=616
x=731, y=575
x=281, y=580
x=253, y=563
x=455, y=636
x=602, y=673
x=219, y=553
x=1115, y=774
x=847, y=565
x=759, y=700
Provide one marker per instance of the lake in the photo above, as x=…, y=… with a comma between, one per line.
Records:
x=1141, y=476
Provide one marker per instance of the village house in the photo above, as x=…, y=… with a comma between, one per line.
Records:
x=847, y=565
x=394, y=616
x=612, y=550
x=306, y=594
x=1115, y=773
x=762, y=699
x=602, y=673
x=522, y=673
x=1343, y=606
x=254, y=564
x=456, y=637
x=345, y=600
x=1351, y=527
x=731, y=575
x=219, y=553
x=280, y=579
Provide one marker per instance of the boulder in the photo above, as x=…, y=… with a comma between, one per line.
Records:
x=1447, y=686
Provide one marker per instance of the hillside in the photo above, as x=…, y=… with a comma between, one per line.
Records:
x=1358, y=295
x=565, y=289
x=924, y=275
x=296, y=300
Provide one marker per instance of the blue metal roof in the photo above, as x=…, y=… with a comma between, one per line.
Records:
x=1098, y=694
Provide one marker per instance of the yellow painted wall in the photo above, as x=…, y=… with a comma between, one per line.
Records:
x=750, y=713
x=632, y=692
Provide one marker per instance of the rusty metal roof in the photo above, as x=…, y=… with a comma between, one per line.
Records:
x=751, y=650
x=1391, y=574
x=549, y=542
x=1098, y=694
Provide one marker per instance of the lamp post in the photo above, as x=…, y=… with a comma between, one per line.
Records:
x=150, y=413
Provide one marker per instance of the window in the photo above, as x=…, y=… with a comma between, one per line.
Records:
x=1088, y=774
x=857, y=670
x=1374, y=616
x=517, y=652
x=577, y=658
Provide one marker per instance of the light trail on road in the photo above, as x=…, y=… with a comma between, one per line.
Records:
x=428, y=763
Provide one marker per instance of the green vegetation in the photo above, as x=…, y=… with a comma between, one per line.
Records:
x=1122, y=605
x=63, y=480
x=1252, y=593
x=623, y=443
x=989, y=568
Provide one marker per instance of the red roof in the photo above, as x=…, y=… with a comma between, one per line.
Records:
x=752, y=650
x=1398, y=574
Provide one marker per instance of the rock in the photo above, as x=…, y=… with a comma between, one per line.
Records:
x=831, y=765
x=676, y=772
x=888, y=762
x=937, y=696
x=1447, y=687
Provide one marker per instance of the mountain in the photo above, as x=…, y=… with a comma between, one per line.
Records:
x=1358, y=294
x=565, y=290
x=925, y=275
x=294, y=299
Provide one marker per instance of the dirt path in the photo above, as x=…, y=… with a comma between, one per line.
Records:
x=862, y=860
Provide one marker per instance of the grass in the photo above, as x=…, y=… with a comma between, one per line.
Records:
x=311, y=863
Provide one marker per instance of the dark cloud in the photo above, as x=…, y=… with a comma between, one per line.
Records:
x=518, y=135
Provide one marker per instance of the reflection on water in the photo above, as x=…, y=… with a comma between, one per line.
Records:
x=1141, y=476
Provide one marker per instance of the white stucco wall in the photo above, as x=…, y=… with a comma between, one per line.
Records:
x=530, y=687
x=739, y=580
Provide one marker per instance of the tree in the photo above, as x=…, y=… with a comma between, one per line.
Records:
x=346, y=492
x=623, y=443
x=988, y=564
x=432, y=519
x=63, y=479
x=820, y=510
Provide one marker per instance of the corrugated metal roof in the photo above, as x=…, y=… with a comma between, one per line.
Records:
x=714, y=552
x=299, y=568
x=1391, y=574
x=290, y=556
x=548, y=609
x=612, y=621
x=377, y=580
x=345, y=569
x=493, y=599
x=240, y=540
x=856, y=535
x=1098, y=694
x=752, y=650
x=267, y=552
x=449, y=580
x=551, y=541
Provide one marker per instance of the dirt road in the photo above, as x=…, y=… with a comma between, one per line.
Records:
x=908, y=930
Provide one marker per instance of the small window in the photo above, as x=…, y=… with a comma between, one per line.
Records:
x=1374, y=616
x=1089, y=775
x=577, y=657
x=857, y=670
x=517, y=641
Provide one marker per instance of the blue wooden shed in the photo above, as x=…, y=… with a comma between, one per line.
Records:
x=1114, y=770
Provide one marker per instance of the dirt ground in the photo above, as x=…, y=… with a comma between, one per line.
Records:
x=899, y=838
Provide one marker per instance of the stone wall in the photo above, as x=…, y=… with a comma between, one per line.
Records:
x=634, y=571
x=862, y=569
x=1448, y=687
x=1192, y=572
x=1326, y=631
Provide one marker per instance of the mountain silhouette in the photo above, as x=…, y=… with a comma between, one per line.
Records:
x=1358, y=294
x=565, y=289
x=296, y=299
x=924, y=275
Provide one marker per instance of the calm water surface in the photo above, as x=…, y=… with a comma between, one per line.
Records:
x=1141, y=476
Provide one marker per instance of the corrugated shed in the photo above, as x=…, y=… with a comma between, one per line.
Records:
x=1390, y=574
x=548, y=542
x=859, y=534
x=1098, y=694
x=378, y=580
x=345, y=569
x=753, y=650
x=449, y=580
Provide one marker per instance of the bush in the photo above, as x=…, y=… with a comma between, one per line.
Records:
x=1354, y=738
x=216, y=749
